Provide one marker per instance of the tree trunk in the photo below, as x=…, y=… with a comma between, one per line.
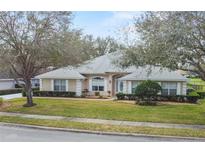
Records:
x=28, y=90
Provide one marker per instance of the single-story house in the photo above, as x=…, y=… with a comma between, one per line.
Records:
x=104, y=76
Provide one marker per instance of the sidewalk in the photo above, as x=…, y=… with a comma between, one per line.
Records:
x=101, y=121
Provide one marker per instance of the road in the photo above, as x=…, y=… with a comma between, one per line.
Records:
x=21, y=134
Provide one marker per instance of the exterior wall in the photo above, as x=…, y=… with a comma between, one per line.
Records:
x=71, y=85
x=46, y=85
x=78, y=87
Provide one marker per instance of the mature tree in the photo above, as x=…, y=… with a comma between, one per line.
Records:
x=26, y=40
x=170, y=39
x=106, y=45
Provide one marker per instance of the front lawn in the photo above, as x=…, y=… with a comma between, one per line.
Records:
x=169, y=113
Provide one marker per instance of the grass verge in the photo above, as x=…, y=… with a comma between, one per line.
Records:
x=105, y=128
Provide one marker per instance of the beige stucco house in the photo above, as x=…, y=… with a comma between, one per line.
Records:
x=103, y=75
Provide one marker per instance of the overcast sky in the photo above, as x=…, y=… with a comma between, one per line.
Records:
x=103, y=23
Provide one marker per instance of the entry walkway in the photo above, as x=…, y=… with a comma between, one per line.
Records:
x=102, y=121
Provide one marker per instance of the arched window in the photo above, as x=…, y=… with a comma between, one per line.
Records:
x=98, y=84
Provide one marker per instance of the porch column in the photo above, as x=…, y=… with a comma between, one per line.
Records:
x=78, y=87
x=129, y=90
x=41, y=84
x=52, y=85
x=66, y=85
x=90, y=84
x=184, y=88
x=178, y=88
x=105, y=85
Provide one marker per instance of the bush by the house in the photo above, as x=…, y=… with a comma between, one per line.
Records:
x=193, y=97
x=177, y=98
x=97, y=93
x=54, y=94
x=147, y=92
x=10, y=91
x=120, y=96
x=1, y=101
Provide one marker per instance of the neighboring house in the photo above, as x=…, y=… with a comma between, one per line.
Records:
x=7, y=82
x=103, y=76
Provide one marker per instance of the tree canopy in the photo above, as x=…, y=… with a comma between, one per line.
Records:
x=175, y=40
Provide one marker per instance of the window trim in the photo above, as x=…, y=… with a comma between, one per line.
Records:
x=60, y=85
x=168, y=88
x=98, y=85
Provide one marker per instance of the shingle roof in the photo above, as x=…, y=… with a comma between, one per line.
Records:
x=61, y=73
x=155, y=74
x=103, y=64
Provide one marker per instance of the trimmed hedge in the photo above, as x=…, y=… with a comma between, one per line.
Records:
x=177, y=98
x=10, y=91
x=54, y=94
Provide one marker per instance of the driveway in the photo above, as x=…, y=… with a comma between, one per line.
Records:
x=21, y=134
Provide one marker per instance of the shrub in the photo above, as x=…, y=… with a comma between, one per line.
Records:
x=54, y=93
x=120, y=96
x=1, y=101
x=10, y=91
x=147, y=90
x=97, y=93
x=193, y=97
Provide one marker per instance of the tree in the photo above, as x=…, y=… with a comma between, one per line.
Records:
x=26, y=43
x=175, y=40
x=147, y=89
x=106, y=45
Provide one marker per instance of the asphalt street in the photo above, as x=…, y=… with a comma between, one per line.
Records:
x=20, y=134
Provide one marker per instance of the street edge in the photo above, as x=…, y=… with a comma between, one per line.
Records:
x=96, y=132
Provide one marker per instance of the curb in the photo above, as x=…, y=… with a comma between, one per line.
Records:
x=98, y=132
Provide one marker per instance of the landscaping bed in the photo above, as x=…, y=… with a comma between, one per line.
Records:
x=116, y=110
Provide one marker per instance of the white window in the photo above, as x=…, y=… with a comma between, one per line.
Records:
x=98, y=84
x=119, y=86
x=134, y=85
x=59, y=85
x=169, y=88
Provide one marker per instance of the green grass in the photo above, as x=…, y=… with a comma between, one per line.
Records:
x=185, y=114
x=105, y=128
